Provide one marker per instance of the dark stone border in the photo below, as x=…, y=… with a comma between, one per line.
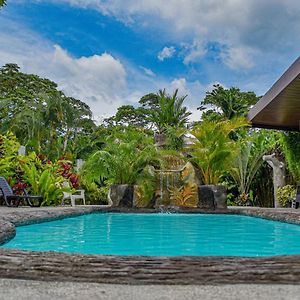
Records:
x=142, y=269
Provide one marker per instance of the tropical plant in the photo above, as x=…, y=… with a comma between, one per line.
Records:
x=262, y=183
x=175, y=138
x=44, y=180
x=214, y=150
x=43, y=118
x=8, y=156
x=227, y=103
x=247, y=162
x=127, y=115
x=145, y=187
x=120, y=163
x=285, y=195
x=122, y=159
x=170, y=111
x=184, y=195
x=291, y=148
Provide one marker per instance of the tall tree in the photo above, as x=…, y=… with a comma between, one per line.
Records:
x=170, y=111
x=127, y=115
x=223, y=103
x=150, y=101
x=42, y=117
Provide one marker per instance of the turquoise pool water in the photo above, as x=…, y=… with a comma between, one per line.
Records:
x=161, y=234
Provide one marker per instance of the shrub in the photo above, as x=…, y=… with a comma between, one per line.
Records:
x=43, y=178
x=8, y=157
x=285, y=194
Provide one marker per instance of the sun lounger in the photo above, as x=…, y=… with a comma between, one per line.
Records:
x=13, y=200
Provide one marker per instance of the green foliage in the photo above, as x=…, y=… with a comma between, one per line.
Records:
x=2, y=3
x=122, y=160
x=127, y=115
x=120, y=163
x=285, y=194
x=145, y=186
x=247, y=161
x=43, y=179
x=227, y=103
x=94, y=193
x=8, y=155
x=170, y=111
x=121, y=150
x=291, y=149
x=9, y=159
x=175, y=138
x=150, y=101
x=43, y=118
x=214, y=151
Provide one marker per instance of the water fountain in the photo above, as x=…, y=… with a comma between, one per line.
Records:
x=177, y=187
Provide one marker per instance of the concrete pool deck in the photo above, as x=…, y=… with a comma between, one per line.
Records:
x=12, y=289
x=139, y=270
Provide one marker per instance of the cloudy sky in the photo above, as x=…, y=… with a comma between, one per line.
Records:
x=111, y=52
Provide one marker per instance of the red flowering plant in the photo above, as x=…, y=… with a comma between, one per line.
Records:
x=19, y=187
x=67, y=171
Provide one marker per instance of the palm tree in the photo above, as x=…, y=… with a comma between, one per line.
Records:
x=246, y=163
x=120, y=162
x=214, y=150
x=169, y=112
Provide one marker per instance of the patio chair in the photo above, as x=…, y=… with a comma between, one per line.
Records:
x=296, y=201
x=13, y=200
x=78, y=194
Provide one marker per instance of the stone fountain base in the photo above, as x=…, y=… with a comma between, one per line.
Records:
x=212, y=197
x=121, y=195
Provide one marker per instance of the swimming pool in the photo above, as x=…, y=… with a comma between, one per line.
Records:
x=161, y=235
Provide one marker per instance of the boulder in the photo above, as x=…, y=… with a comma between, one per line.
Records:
x=212, y=197
x=121, y=195
x=220, y=195
x=206, y=197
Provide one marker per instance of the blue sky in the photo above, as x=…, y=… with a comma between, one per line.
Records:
x=109, y=53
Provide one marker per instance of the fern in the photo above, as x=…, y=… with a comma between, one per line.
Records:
x=184, y=195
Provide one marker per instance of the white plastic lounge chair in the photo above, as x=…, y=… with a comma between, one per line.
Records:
x=79, y=194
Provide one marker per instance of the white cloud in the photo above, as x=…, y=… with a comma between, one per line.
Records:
x=181, y=85
x=195, y=51
x=98, y=80
x=102, y=81
x=238, y=58
x=262, y=27
x=166, y=52
x=147, y=71
x=195, y=92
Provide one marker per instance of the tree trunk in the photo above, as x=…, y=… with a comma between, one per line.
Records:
x=278, y=174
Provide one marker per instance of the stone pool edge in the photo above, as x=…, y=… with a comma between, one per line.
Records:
x=142, y=269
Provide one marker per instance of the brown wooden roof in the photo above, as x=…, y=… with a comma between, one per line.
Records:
x=279, y=108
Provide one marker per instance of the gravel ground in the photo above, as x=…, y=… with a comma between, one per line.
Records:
x=38, y=290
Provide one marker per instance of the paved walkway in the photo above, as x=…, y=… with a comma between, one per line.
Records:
x=35, y=290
